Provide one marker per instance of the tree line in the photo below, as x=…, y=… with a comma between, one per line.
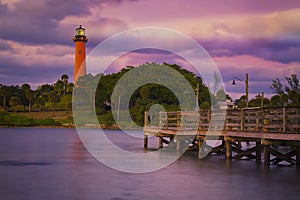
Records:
x=150, y=94
x=142, y=98
x=58, y=96
x=46, y=97
x=285, y=94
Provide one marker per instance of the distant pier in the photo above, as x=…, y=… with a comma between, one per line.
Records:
x=270, y=129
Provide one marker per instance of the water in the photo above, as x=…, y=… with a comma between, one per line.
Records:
x=47, y=164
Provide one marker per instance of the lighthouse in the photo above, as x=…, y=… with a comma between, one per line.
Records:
x=80, y=53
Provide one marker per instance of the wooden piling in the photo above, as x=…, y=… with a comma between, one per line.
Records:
x=160, y=145
x=243, y=117
x=146, y=121
x=171, y=137
x=178, y=142
x=298, y=155
x=228, y=148
x=267, y=154
x=200, y=142
x=145, y=141
x=258, y=152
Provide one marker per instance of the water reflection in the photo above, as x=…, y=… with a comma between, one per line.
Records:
x=53, y=164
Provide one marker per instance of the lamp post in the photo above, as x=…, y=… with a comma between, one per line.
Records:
x=247, y=86
x=262, y=99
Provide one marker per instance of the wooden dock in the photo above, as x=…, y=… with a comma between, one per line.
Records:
x=275, y=130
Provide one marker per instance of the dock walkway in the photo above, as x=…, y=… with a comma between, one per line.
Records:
x=268, y=128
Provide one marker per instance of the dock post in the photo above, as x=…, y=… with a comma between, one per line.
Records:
x=160, y=145
x=258, y=152
x=178, y=142
x=171, y=137
x=228, y=148
x=145, y=141
x=146, y=119
x=146, y=122
x=298, y=155
x=200, y=142
x=267, y=154
x=243, y=117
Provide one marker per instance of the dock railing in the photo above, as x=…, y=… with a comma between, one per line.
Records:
x=268, y=119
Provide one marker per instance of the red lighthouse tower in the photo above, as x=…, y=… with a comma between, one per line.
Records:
x=80, y=53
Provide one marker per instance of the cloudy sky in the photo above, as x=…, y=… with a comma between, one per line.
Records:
x=261, y=37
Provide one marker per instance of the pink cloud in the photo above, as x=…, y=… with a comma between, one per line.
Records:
x=259, y=37
x=259, y=67
x=261, y=73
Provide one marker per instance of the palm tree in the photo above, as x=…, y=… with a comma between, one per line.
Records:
x=25, y=87
x=69, y=88
x=53, y=98
x=59, y=87
x=64, y=79
x=24, y=99
x=40, y=101
x=14, y=101
x=29, y=95
x=4, y=92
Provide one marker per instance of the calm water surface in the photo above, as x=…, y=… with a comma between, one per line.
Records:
x=38, y=163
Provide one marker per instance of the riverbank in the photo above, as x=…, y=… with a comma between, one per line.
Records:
x=114, y=127
x=57, y=119
x=9, y=119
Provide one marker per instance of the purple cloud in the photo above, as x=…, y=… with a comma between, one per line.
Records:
x=39, y=22
x=284, y=51
x=260, y=37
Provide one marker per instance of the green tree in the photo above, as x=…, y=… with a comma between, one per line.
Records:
x=145, y=92
x=205, y=106
x=40, y=102
x=241, y=102
x=276, y=100
x=44, y=89
x=294, y=97
x=69, y=88
x=29, y=95
x=256, y=102
x=277, y=87
x=25, y=87
x=24, y=99
x=289, y=96
x=14, y=101
x=53, y=99
x=65, y=79
x=4, y=92
x=293, y=83
x=59, y=87
x=65, y=102
x=142, y=98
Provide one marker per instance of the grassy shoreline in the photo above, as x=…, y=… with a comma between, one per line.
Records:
x=71, y=127
x=61, y=126
x=50, y=119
